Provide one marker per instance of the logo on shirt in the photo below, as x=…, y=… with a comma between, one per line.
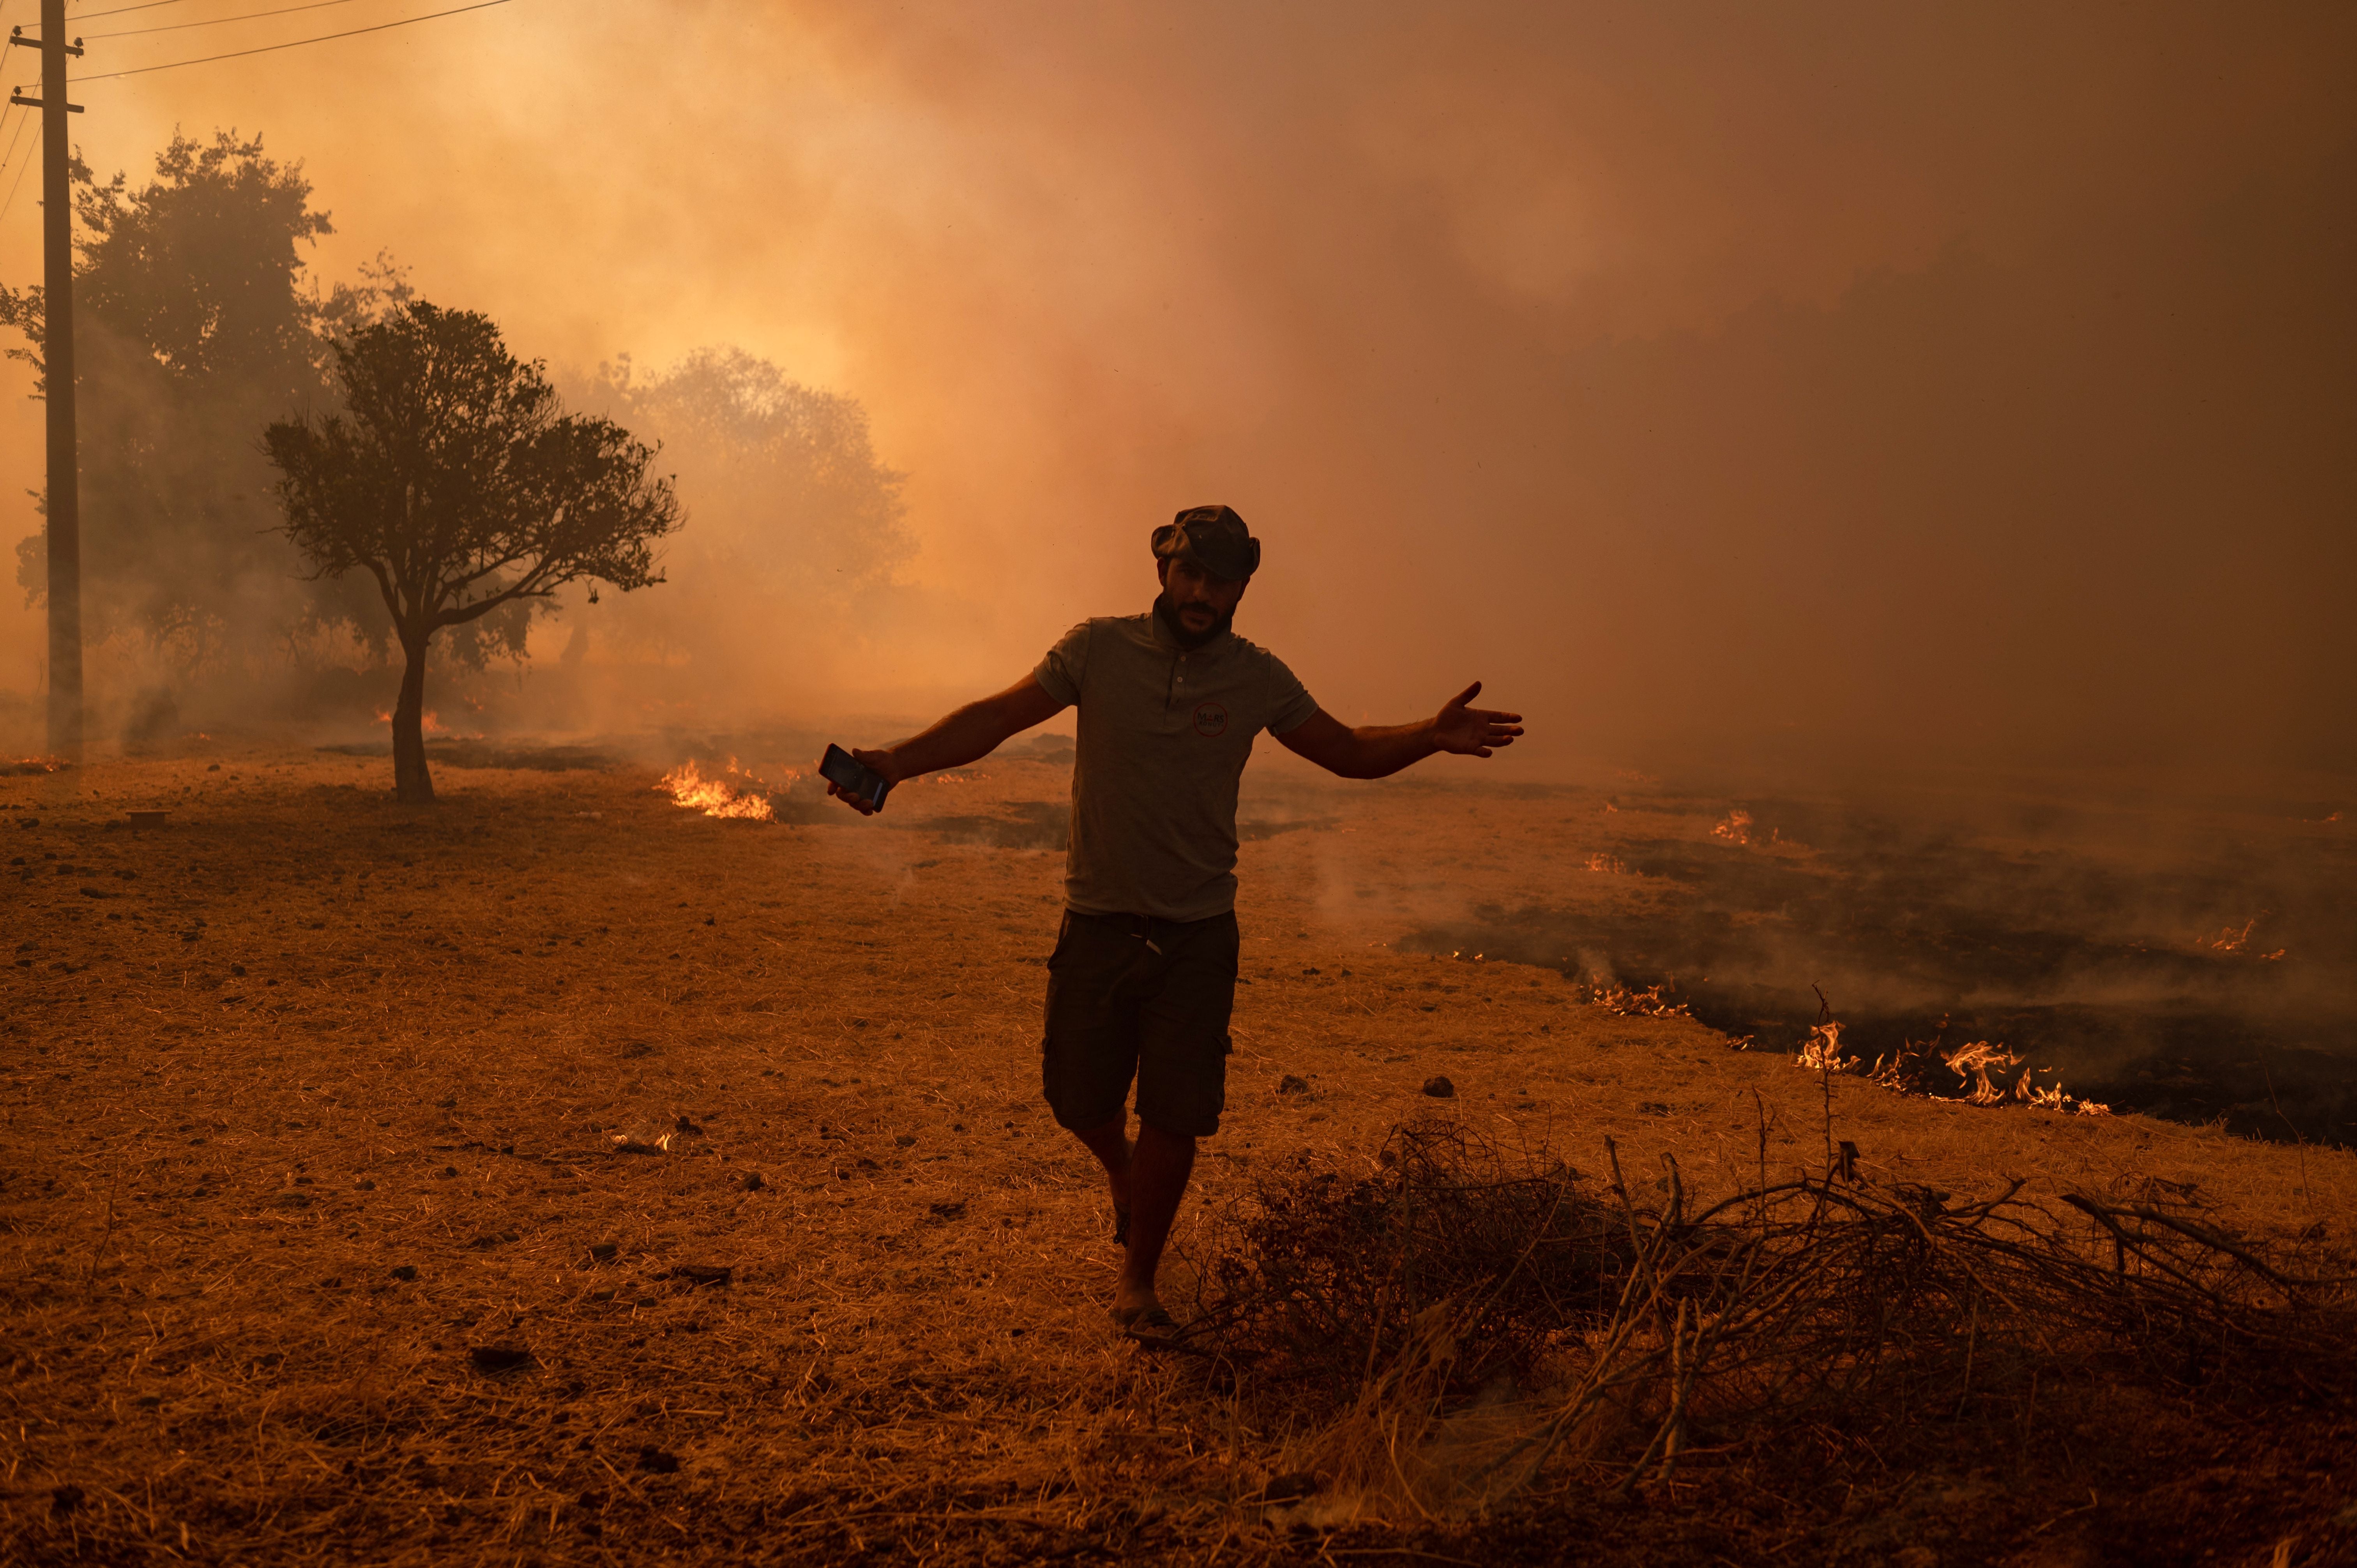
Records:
x=1210, y=719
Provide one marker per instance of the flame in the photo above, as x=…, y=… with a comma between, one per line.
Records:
x=717, y=797
x=2068, y=1105
x=1822, y=1052
x=431, y=723
x=1972, y=1063
x=2231, y=940
x=1622, y=1002
x=1737, y=828
x=1610, y=864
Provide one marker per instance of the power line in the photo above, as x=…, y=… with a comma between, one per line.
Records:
x=213, y=21
x=119, y=10
x=19, y=136
x=5, y=207
x=297, y=43
x=10, y=156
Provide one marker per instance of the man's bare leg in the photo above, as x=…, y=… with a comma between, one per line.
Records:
x=1148, y=1177
x=1109, y=1144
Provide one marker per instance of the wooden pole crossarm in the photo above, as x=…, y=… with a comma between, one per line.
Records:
x=16, y=36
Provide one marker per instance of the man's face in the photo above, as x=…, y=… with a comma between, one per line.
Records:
x=1200, y=600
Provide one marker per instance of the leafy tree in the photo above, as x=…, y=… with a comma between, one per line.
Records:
x=787, y=480
x=196, y=325
x=791, y=507
x=454, y=478
x=192, y=330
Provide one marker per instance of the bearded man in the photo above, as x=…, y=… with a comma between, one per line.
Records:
x=1144, y=976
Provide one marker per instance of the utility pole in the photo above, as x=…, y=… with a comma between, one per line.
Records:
x=62, y=503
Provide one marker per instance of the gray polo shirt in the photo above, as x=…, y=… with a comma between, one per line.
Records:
x=1164, y=733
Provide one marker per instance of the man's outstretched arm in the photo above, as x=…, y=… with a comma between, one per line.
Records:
x=973, y=732
x=1372, y=751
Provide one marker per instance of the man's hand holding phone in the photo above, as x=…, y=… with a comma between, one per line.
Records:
x=860, y=778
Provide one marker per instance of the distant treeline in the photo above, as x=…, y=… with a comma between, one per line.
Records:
x=198, y=322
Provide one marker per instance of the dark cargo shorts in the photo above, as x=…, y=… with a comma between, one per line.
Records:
x=1129, y=998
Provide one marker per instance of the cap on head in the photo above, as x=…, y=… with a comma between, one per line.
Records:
x=1214, y=538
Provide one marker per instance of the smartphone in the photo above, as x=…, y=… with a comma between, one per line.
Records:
x=841, y=769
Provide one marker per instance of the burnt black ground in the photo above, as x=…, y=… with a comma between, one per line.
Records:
x=2084, y=939
x=2080, y=932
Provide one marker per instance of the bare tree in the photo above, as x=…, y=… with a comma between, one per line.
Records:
x=454, y=478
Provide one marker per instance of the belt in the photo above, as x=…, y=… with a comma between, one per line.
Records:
x=1145, y=928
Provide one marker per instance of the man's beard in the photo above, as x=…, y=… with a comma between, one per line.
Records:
x=1168, y=614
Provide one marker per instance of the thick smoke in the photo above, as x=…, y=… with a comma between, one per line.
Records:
x=1820, y=405
x=1831, y=388
x=784, y=581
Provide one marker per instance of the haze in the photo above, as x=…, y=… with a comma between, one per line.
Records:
x=1805, y=387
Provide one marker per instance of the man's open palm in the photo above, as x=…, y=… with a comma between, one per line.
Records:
x=1473, y=732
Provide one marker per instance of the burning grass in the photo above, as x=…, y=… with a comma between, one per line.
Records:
x=1985, y=1073
x=688, y=786
x=1635, y=1002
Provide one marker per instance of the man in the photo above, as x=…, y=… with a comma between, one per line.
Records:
x=1144, y=971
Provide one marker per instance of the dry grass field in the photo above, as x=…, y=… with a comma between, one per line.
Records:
x=316, y=1243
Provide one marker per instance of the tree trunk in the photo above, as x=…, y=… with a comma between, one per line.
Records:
x=410, y=779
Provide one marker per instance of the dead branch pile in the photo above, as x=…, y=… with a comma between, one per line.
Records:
x=1638, y=1326
x=1324, y=1277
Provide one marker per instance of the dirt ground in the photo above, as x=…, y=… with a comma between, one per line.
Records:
x=318, y=1244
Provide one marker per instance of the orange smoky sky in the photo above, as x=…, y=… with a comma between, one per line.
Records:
x=1720, y=383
